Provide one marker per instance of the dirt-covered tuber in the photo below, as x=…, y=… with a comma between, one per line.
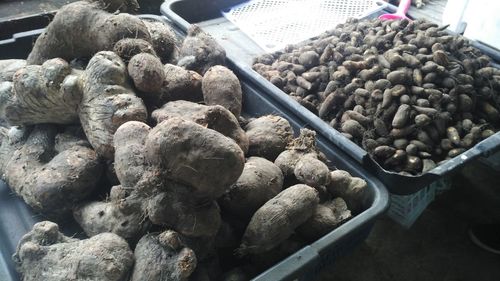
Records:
x=277, y=219
x=200, y=51
x=104, y=257
x=163, y=256
x=51, y=170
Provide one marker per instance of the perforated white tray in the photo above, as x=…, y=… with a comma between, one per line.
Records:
x=273, y=24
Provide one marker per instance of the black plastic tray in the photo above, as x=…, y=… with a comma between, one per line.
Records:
x=240, y=52
x=16, y=218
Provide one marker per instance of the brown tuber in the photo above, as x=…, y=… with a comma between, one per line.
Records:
x=221, y=87
x=276, y=220
x=213, y=117
x=104, y=257
x=163, y=256
x=59, y=39
x=200, y=51
x=260, y=181
x=52, y=171
x=268, y=136
x=146, y=71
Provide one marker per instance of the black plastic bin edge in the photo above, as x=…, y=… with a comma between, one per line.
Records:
x=340, y=241
x=303, y=264
x=395, y=183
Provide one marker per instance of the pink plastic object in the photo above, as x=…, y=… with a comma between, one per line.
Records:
x=403, y=7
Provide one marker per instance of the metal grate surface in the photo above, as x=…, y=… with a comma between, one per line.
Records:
x=273, y=24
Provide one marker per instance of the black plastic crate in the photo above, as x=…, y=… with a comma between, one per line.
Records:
x=16, y=218
x=241, y=50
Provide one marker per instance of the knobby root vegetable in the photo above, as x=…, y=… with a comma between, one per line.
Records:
x=302, y=161
x=163, y=256
x=276, y=220
x=128, y=47
x=176, y=207
x=312, y=171
x=260, y=181
x=107, y=102
x=160, y=84
x=146, y=70
x=51, y=170
x=99, y=97
x=126, y=220
x=9, y=67
x=192, y=154
x=169, y=169
x=221, y=87
x=130, y=161
x=180, y=84
x=268, y=136
x=57, y=90
x=97, y=29
x=352, y=189
x=326, y=217
x=104, y=257
x=200, y=51
x=164, y=40
x=213, y=117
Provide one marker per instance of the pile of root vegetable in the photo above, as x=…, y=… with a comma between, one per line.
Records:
x=116, y=124
x=408, y=92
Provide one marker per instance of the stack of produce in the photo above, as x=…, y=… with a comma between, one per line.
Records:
x=138, y=136
x=408, y=92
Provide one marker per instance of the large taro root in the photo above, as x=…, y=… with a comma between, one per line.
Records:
x=260, y=181
x=163, y=256
x=277, y=219
x=46, y=254
x=164, y=40
x=51, y=170
x=170, y=169
x=84, y=28
x=302, y=162
x=56, y=88
x=268, y=136
x=352, y=189
x=125, y=219
x=200, y=51
x=213, y=117
x=99, y=97
x=192, y=154
x=160, y=84
x=327, y=216
x=221, y=87
x=107, y=102
x=180, y=84
x=146, y=70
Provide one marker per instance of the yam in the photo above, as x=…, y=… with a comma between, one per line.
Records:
x=276, y=220
x=163, y=256
x=104, y=257
x=260, y=181
x=268, y=136
x=221, y=87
